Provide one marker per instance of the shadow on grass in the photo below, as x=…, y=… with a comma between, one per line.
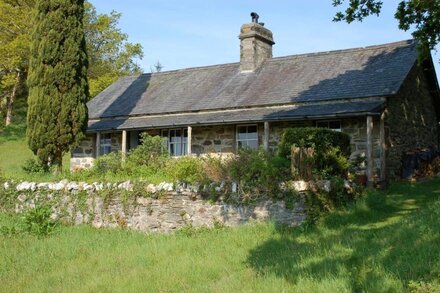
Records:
x=381, y=244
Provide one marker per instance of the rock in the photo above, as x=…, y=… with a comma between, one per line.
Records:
x=221, y=187
x=26, y=186
x=64, y=181
x=6, y=185
x=43, y=185
x=234, y=187
x=300, y=185
x=21, y=198
x=88, y=187
x=98, y=186
x=57, y=186
x=126, y=185
x=324, y=185
x=168, y=187
x=151, y=188
x=72, y=186
x=165, y=186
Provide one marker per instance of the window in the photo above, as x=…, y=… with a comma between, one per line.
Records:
x=247, y=137
x=105, y=144
x=330, y=124
x=176, y=140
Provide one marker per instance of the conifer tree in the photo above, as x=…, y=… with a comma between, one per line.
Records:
x=57, y=80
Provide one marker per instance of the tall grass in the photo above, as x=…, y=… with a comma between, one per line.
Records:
x=384, y=243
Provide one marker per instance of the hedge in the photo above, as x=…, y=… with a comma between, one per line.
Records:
x=331, y=148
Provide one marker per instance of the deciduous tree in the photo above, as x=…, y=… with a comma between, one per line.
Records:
x=423, y=16
x=15, y=24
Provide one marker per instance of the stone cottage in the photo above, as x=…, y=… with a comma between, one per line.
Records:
x=385, y=99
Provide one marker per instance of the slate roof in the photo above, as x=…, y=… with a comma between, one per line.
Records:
x=375, y=71
x=301, y=112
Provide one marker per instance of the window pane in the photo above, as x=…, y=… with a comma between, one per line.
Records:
x=178, y=149
x=252, y=129
x=323, y=124
x=335, y=124
x=252, y=135
x=184, y=149
x=253, y=144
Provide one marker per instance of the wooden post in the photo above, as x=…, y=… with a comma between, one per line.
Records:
x=98, y=144
x=124, y=144
x=189, y=141
x=382, y=148
x=370, y=151
x=295, y=162
x=302, y=163
x=266, y=136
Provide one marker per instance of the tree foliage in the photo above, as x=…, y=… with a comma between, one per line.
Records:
x=57, y=80
x=14, y=51
x=110, y=55
x=421, y=15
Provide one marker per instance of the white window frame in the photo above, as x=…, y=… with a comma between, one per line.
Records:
x=172, y=145
x=105, y=143
x=328, y=124
x=246, y=140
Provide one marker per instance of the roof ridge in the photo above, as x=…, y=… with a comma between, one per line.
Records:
x=339, y=51
x=205, y=67
x=192, y=68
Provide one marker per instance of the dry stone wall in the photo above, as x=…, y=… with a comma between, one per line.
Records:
x=163, y=208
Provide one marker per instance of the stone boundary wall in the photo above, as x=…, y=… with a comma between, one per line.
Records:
x=165, y=211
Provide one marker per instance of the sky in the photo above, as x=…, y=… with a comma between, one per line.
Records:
x=191, y=33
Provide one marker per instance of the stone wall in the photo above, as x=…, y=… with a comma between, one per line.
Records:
x=213, y=139
x=222, y=139
x=410, y=121
x=167, y=211
x=357, y=129
x=84, y=155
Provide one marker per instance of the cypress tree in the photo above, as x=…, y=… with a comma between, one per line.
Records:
x=58, y=86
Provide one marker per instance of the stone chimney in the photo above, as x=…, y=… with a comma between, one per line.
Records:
x=255, y=44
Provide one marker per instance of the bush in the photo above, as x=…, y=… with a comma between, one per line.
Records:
x=319, y=202
x=186, y=169
x=111, y=163
x=152, y=153
x=215, y=169
x=38, y=221
x=32, y=166
x=258, y=171
x=331, y=149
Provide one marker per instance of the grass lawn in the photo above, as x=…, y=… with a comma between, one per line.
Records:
x=382, y=244
x=14, y=152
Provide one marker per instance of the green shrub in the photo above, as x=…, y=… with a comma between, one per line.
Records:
x=331, y=149
x=110, y=163
x=32, y=166
x=37, y=221
x=152, y=153
x=258, y=171
x=215, y=169
x=186, y=169
x=319, y=202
